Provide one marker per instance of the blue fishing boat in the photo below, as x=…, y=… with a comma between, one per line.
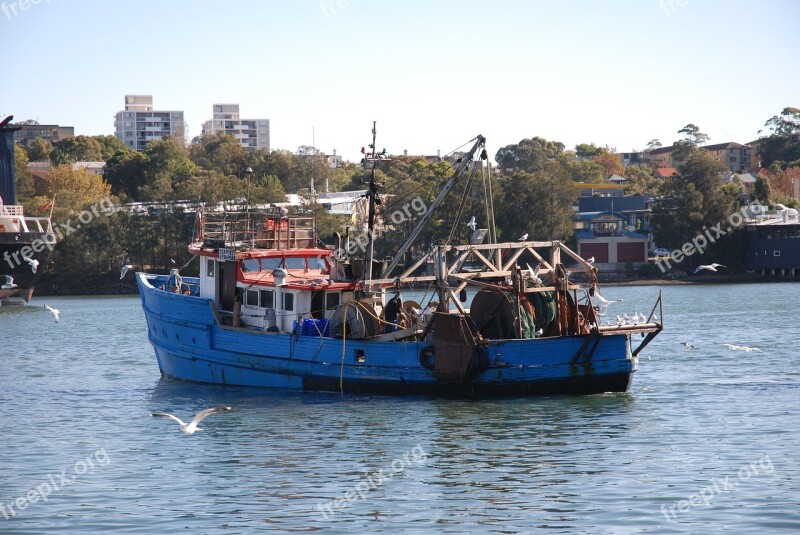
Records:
x=272, y=309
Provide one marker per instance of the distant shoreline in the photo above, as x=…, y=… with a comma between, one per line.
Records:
x=112, y=286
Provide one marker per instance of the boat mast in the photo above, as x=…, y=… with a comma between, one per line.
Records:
x=462, y=165
x=372, y=195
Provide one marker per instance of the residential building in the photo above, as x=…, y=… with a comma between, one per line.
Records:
x=139, y=123
x=773, y=243
x=632, y=158
x=586, y=189
x=334, y=160
x=666, y=172
x=748, y=180
x=613, y=230
x=251, y=133
x=661, y=157
x=52, y=133
x=735, y=156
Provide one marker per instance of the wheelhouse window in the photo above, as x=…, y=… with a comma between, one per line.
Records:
x=267, y=299
x=209, y=267
x=251, y=264
x=288, y=302
x=296, y=263
x=268, y=264
x=252, y=298
x=332, y=300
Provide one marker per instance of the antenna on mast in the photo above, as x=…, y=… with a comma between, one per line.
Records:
x=370, y=161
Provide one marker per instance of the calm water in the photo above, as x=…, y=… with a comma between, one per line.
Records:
x=706, y=440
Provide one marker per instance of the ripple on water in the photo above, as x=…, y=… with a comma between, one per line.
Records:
x=594, y=464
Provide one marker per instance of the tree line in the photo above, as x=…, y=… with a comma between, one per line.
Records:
x=532, y=190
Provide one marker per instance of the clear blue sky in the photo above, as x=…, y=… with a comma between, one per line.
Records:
x=433, y=74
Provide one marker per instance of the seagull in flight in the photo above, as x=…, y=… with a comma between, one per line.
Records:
x=602, y=300
x=687, y=346
x=472, y=224
x=709, y=267
x=9, y=284
x=191, y=427
x=523, y=237
x=55, y=312
x=124, y=270
x=33, y=263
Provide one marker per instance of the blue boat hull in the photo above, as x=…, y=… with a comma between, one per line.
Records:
x=191, y=345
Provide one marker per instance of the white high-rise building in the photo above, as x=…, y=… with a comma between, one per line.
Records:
x=251, y=133
x=139, y=124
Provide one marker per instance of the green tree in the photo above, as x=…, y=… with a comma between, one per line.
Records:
x=782, y=147
x=23, y=177
x=39, y=150
x=585, y=171
x=111, y=146
x=587, y=150
x=528, y=155
x=537, y=204
x=610, y=162
x=168, y=167
x=653, y=144
x=692, y=139
x=77, y=149
x=221, y=152
x=126, y=173
x=641, y=180
x=762, y=190
x=693, y=202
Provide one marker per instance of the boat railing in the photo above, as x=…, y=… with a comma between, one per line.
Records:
x=258, y=231
x=12, y=219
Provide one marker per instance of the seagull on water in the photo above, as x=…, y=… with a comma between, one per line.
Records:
x=54, y=311
x=733, y=347
x=124, y=270
x=709, y=267
x=9, y=284
x=33, y=263
x=191, y=427
x=472, y=224
x=687, y=346
x=523, y=237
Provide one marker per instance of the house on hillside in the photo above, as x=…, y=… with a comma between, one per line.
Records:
x=666, y=172
x=614, y=230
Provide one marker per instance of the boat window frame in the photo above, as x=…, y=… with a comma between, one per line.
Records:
x=338, y=295
x=210, y=267
x=288, y=297
x=261, y=294
x=248, y=294
x=286, y=260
